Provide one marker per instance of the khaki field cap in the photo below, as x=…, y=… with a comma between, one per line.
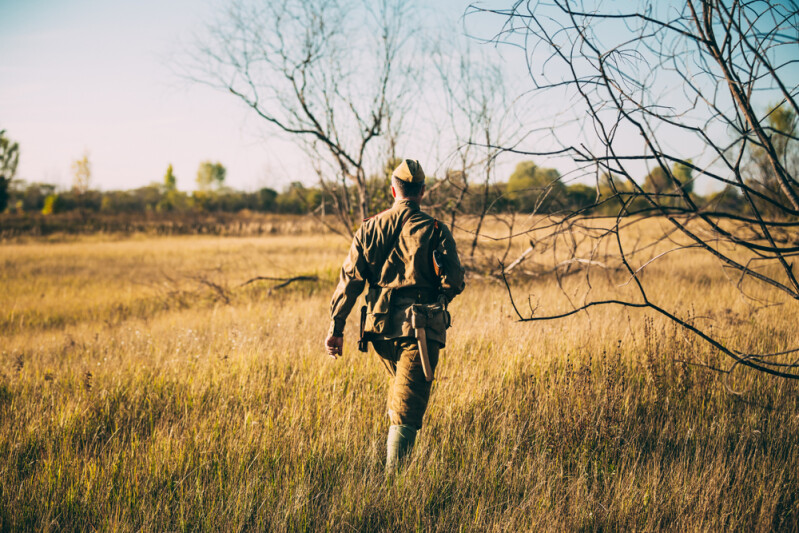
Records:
x=409, y=170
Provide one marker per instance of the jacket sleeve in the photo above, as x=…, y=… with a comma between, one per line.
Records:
x=352, y=279
x=452, y=279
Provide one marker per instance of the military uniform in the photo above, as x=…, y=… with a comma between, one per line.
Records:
x=392, y=252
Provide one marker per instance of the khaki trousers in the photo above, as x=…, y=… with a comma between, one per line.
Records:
x=409, y=392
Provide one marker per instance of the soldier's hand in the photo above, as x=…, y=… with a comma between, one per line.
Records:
x=334, y=346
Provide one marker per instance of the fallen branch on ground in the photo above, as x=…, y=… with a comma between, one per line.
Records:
x=220, y=291
x=521, y=258
x=284, y=281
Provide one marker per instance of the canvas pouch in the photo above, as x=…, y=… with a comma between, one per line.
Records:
x=434, y=317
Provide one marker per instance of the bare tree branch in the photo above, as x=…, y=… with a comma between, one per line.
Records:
x=637, y=79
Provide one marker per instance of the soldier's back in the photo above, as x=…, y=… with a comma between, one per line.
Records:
x=398, y=246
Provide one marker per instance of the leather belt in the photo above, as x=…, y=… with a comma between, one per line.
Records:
x=419, y=294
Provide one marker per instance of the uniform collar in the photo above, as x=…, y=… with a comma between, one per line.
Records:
x=405, y=203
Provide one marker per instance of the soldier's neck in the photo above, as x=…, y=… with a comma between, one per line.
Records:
x=414, y=199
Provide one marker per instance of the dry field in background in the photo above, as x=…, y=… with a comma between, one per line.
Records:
x=143, y=388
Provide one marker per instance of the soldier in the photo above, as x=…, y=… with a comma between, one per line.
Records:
x=411, y=265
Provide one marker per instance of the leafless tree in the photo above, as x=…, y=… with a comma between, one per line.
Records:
x=329, y=74
x=478, y=118
x=690, y=89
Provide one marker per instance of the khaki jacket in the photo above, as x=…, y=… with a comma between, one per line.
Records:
x=397, y=264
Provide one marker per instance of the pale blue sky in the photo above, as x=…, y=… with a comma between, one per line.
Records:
x=98, y=76
x=94, y=75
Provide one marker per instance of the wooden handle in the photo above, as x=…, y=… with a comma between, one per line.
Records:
x=421, y=337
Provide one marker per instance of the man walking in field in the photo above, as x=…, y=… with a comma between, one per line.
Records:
x=412, y=267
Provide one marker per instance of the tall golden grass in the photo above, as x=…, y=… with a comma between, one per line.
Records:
x=143, y=388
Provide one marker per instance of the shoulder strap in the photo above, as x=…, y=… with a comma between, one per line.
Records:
x=436, y=237
x=435, y=241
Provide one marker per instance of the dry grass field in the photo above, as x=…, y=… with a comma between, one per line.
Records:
x=143, y=388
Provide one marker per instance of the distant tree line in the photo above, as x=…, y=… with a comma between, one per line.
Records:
x=211, y=195
x=529, y=189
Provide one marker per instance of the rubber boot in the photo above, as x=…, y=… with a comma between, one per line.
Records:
x=398, y=446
